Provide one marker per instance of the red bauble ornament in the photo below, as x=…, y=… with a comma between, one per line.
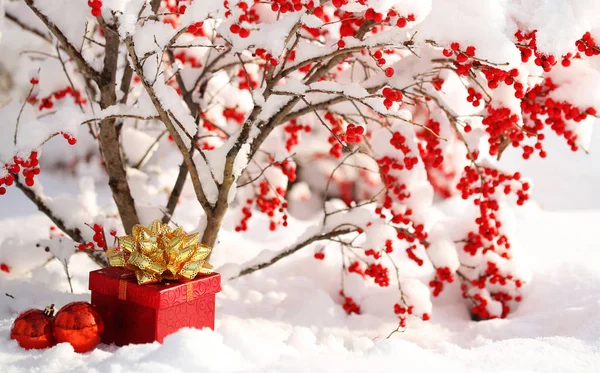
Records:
x=79, y=324
x=33, y=329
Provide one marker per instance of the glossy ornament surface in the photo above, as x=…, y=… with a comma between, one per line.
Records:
x=79, y=324
x=33, y=329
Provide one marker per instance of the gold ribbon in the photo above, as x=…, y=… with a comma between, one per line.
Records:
x=159, y=252
x=189, y=292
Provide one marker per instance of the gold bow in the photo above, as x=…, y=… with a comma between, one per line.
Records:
x=159, y=252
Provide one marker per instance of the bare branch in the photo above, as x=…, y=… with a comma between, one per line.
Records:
x=293, y=249
x=82, y=64
x=75, y=234
x=28, y=28
x=166, y=119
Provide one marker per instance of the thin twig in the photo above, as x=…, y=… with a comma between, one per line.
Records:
x=293, y=249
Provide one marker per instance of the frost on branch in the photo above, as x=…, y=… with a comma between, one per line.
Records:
x=359, y=114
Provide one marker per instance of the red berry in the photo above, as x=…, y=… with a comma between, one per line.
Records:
x=244, y=33
x=462, y=58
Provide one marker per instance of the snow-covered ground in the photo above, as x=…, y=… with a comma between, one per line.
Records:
x=288, y=319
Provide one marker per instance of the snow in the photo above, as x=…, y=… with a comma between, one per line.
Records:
x=264, y=322
x=488, y=16
x=288, y=317
x=138, y=145
x=33, y=132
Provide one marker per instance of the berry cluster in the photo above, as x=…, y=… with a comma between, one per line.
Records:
x=379, y=274
x=243, y=226
x=186, y=59
x=502, y=125
x=539, y=110
x=285, y=6
x=429, y=145
x=353, y=134
x=493, y=276
x=336, y=129
x=356, y=268
x=528, y=46
x=99, y=239
x=404, y=311
x=234, y=115
x=48, y=102
x=292, y=130
x=197, y=29
x=247, y=14
x=288, y=168
x=96, y=6
x=242, y=32
x=269, y=204
x=587, y=45
x=442, y=274
x=70, y=139
x=400, y=21
x=349, y=24
x=474, y=97
x=29, y=168
x=266, y=56
x=390, y=96
x=489, y=236
x=403, y=21
x=437, y=83
x=399, y=142
x=349, y=305
x=410, y=252
x=373, y=253
x=483, y=182
x=380, y=60
x=246, y=81
x=494, y=76
x=439, y=173
x=460, y=56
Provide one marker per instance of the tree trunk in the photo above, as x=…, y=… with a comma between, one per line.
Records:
x=213, y=226
x=109, y=138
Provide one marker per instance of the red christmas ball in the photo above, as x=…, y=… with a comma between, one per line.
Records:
x=79, y=324
x=33, y=329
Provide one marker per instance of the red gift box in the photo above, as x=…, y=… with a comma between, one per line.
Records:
x=135, y=313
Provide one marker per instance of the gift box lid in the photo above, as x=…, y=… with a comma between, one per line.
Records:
x=122, y=284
